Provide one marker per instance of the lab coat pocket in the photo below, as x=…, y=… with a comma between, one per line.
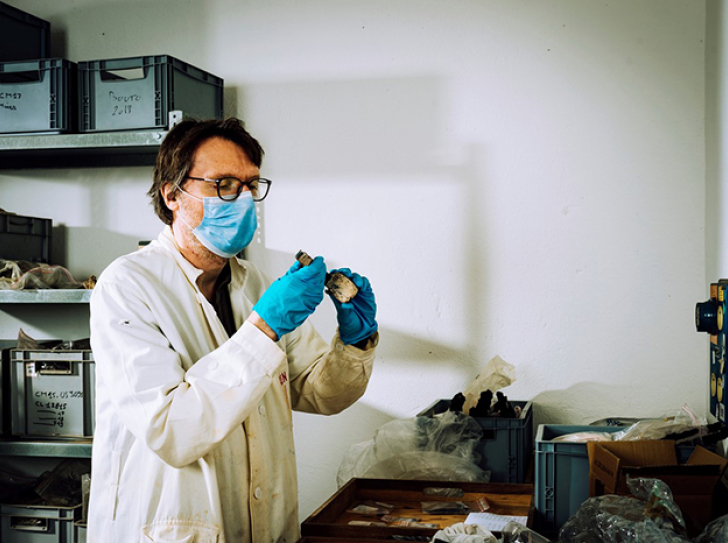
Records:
x=179, y=531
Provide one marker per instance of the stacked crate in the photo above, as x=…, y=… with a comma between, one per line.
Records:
x=44, y=95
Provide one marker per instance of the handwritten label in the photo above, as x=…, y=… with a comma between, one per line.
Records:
x=125, y=98
x=8, y=97
x=123, y=103
x=48, y=411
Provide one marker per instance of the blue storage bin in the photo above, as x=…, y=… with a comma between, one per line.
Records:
x=507, y=444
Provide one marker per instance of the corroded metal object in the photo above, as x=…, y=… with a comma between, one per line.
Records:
x=337, y=284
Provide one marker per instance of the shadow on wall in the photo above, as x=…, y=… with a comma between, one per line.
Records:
x=94, y=248
x=346, y=127
x=123, y=29
x=364, y=131
x=571, y=405
x=319, y=450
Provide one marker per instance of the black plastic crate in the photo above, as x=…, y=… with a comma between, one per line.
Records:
x=25, y=238
x=138, y=93
x=23, y=36
x=506, y=447
x=38, y=96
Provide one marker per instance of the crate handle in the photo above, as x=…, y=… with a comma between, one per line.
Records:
x=30, y=76
x=125, y=73
x=56, y=367
x=29, y=524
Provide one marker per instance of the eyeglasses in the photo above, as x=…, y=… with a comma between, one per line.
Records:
x=229, y=188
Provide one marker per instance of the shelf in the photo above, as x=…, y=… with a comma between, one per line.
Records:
x=68, y=448
x=49, y=296
x=33, y=151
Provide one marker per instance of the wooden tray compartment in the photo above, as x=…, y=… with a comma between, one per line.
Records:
x=332, y=520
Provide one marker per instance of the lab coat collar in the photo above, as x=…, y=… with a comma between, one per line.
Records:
x=166, y=239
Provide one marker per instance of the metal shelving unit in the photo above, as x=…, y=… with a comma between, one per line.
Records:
x=44, y=151
x=66, y=448
x=49, y=296
x=103, y=149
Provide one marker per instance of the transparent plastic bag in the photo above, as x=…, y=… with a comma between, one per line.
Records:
x=715, y=532
x=464, y=533
x=22, y=275
x=685, y=424
x=63, y=485
x=437, y=448
x=514, y=532
x=653, y=518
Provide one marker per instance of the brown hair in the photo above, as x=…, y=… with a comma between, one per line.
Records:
x=177, y=152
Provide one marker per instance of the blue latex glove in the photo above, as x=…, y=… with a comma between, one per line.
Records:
x=293, y=297
x=357, y=317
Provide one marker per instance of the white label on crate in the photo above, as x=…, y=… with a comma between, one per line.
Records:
x=30, y=369
x=721, y=412
x=54, y=401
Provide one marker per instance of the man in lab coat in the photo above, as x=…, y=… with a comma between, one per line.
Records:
x=200, y=360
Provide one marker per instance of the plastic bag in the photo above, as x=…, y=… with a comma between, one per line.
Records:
x=715, y=532
x=496, y=374
x=21, y=275
x=652, y=518
x=583, y=437
x=685, y=424
x=464, y=533
x=63, y=485
x=513, y=532
x=437, y=448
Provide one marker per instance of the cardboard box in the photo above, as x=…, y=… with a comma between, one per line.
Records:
x=692, y=484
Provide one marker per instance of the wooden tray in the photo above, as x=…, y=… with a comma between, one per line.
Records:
x=314, y=539
x=332, y=519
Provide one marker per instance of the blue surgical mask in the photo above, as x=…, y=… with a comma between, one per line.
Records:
x=227, y=227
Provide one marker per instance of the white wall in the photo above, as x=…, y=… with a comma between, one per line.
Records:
x=516, y=178
x=716, y=126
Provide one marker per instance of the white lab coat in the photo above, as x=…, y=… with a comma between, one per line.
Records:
x=193, y=439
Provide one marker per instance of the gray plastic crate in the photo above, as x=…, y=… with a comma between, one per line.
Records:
x=138, y=93
x=38, y=96
x=5, y=386
x=23, y=36
x=562, y=474
x=79, y=532
x=37, y=524
x=25, y=238
x=52, y=393
x=507, y=443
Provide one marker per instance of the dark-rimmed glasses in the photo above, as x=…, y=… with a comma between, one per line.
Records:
x=229, y=188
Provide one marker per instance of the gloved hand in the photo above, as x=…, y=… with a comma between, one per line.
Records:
x=293, y=297
x=357, y=317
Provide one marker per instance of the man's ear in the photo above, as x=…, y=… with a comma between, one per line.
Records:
x=168, y=195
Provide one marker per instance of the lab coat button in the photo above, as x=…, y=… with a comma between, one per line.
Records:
x=257, y=493
x=339, y=346
x=213, y=365
x=261, y=410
